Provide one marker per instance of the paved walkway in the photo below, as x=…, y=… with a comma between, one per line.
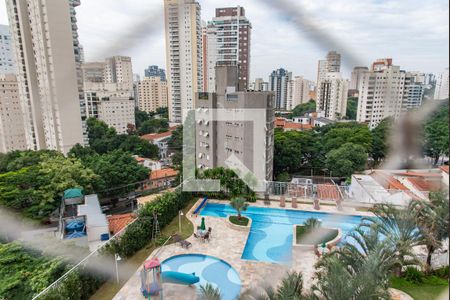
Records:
x=228, y=244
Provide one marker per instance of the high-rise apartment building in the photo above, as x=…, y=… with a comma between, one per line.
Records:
x=119, y=70
x=7, y=60
x=227, y=40
x=183, y=34
x=152, y=94
x=103, y=80
x=382, y=93
x=298, y=91
x=152, y=71
x=414, y=91
x=12, y=132
x=219, y=140
x=442, y=82
x=48, y=59
x=333, y=61
x=117, y=112
x=356, y=77
x=332, y=100
x=278, y=83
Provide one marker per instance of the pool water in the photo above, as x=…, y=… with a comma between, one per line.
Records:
x=210, y=269
x=271, y=234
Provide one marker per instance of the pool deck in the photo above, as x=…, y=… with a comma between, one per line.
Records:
x=228, y=244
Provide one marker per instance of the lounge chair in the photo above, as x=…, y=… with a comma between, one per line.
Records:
x=184, y=244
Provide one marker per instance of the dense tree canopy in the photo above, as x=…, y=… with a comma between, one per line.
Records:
x=380, y=140
x=154, y=126
x=436, y=133
x=304, y=108
x=352, y=108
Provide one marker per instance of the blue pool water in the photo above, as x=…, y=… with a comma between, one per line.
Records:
x=271, y=234
x=210, y=269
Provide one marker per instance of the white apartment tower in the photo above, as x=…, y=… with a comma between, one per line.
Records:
x=442, y=82
x=298, y=91
x=47, y=56
x=278, y=83
x=117, y=112
x=332, y=100
x=12, y=133
x=183, y=55
x=331, y=64
x=356, y=77
x=152, y=93
x=119, y=70
x=382, y=93
x=7, y=60
x=227, y=43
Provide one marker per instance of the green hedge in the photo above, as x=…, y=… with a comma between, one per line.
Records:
x=139, y=234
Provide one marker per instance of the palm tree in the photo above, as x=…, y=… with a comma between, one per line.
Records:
x=209, y=292
x=358, y=270
x=399, y=233
x=290, y=288
x=239, y=205
x=312, y=223
x=433, y=220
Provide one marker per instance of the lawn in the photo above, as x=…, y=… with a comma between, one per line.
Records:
x=243, y=221
x=321, y=235
x=432, y=288
x=110, y=288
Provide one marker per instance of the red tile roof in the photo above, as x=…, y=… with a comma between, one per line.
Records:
x=158, y=174
x=328, y=192
x=280, y=122
x=154, y=136
x=444, y=169
x=118, y=222
x=388, y=181
x=418, y=174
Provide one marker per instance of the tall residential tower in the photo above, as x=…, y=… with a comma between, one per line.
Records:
x=183, y=33
x=48, y=60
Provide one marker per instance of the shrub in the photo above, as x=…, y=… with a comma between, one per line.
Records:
x=413, y=275
x=441, y=272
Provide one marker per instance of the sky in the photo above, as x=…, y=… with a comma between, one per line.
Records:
x=290, y=34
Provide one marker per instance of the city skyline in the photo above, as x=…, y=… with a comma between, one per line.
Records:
x=359, y=25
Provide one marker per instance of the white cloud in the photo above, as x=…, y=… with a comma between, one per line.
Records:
x=414, y=33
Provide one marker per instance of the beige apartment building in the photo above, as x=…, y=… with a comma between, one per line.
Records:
x=117, y=112
x=47, y=55
x=183, y=33
x=152, y=93
x=12, y=133
x=298, y=92
x=218, y=140
x=332, y=100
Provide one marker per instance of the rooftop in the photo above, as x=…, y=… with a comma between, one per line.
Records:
x=118, y=222
x=158, y=174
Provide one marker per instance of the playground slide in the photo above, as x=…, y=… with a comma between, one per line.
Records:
x=179, y=278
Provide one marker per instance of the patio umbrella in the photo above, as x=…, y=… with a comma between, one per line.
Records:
x=203, y=225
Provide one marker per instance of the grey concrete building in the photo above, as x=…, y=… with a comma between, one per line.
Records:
x=218, y=140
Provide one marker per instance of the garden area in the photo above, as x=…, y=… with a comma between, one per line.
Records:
x=422, y=286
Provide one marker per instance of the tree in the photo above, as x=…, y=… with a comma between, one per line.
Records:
x=16, y=160
x=301, y=109
x=433, y=220
x=36, y=190
x=338, y=134
x=290, y=288
x=140, y=117
x=380, y=138
x=209, y=292
x=436, y=133
x=239, y=205
x=399, y=229
x=352, y=108
x=116, y=169
x=153, y=126
x=347, y=159
x=287, y=152
x=284, y=177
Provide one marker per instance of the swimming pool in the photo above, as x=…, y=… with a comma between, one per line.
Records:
x=210, y=270
x=271, y=234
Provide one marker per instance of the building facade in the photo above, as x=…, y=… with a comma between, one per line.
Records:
x=228, y=39
x=331, y=64
x=298, y=92
x=119, y=70
x=117, y=112
x=442, y=82
x=183, y=35
x=48, y=59
x=278, y=83
x=218, y=141
x=414, y=90
x=7, y=60
x=382, y=93
x=332, y=100
x=152, y=94
x=356, y=77
x=153, y=71
x=12, y=132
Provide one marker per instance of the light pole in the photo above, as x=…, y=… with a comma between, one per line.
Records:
x=180, y=214
x=116, y=259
